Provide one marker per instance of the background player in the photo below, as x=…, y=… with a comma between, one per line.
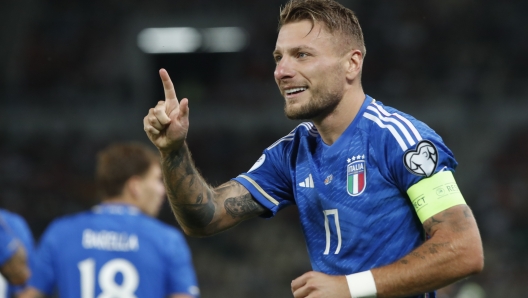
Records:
x=13, y=258
x=367, y=179
x=16, y=225
x=117, y=249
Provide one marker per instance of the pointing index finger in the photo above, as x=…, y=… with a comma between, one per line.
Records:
x=170, y=93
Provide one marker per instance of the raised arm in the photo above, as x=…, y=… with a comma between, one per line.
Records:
x=199, y=208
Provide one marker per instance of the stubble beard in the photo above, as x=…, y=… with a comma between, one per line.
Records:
x=321, y=104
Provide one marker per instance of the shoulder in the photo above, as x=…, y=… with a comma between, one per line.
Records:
x=394, y=128
x=67, y=222
x=12, y=218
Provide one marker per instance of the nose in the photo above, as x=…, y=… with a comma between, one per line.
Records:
x=284, y=69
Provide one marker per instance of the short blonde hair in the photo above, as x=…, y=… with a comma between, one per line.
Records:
x=333, y=15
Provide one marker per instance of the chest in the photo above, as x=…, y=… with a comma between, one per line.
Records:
x=348, y=175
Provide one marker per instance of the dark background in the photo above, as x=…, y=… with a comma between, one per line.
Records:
x=72, y=80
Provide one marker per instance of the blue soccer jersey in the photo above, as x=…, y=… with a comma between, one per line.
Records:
x=354, y=209
x=113, y=250
x=18, y=227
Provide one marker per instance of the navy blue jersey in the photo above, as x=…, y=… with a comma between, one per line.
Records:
x=17, y=227
x=113, y=250
x=354, y=209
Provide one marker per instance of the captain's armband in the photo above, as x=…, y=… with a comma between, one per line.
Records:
x=435, y=194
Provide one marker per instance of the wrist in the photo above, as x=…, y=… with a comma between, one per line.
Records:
x=361, y=285
x=174, y=150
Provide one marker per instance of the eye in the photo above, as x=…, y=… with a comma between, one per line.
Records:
x=302, y=55
x=277, y=58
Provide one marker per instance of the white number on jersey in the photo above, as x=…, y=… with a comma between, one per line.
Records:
x=327, y=229
x=106, y=279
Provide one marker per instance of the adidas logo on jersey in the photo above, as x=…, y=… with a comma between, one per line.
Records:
x=308, y=182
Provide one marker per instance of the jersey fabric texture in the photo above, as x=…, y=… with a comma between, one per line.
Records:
x=113, y=250
x=353, y=206
x=16, y=226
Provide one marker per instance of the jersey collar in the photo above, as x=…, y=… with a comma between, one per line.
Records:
x=116, y=208
x=350, y=129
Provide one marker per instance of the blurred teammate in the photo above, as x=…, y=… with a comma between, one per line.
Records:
x=117, y=249
x=367, y=179
x=17, y=270
x=15, y=243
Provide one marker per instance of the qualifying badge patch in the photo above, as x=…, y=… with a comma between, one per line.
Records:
x=421, y=161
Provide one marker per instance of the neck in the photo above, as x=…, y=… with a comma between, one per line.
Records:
x=119, y=200
x=332, y=125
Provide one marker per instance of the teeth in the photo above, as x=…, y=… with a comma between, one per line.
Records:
x=290, y=91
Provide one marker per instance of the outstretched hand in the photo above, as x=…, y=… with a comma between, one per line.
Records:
x=167, y=123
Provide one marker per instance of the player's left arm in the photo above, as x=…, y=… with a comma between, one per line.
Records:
x=453, y=252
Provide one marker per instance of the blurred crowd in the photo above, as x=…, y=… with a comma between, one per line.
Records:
x=72, y=80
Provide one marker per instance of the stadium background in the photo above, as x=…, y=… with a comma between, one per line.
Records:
x=72, y=80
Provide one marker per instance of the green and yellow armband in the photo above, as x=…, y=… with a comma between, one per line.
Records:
x=435, y=194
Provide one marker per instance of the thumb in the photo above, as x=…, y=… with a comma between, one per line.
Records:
x=184, y=110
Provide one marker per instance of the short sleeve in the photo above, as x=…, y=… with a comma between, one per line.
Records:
x=269, y=180
x=407, y=149
x=181, y=274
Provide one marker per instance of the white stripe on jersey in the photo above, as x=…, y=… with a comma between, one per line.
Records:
x=398, y=123
x=389, y=127
x=265, y=194
x=286, y=138
x=409, y=124
x=312, y=130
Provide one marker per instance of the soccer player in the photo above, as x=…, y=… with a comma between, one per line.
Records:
x=15, y=225
x=117, y=249
x=379, y=206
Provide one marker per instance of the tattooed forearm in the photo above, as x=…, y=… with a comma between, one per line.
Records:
x=190, y=197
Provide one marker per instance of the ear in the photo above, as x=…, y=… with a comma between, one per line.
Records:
x=132, y=187
x=354, y=64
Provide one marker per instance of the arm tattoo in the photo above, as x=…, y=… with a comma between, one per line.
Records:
x=190, y=198
x=456, y=220
x=241, y=206
x=430, y=223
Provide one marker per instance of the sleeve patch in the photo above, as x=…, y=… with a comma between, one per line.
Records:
x=435, y=194
x=258, y=163
x=423, y=160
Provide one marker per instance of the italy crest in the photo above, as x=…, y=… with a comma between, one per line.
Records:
x=356, y=175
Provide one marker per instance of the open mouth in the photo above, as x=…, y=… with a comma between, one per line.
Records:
x=293, y=91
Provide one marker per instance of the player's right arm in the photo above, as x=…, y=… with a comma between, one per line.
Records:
x=199, y=208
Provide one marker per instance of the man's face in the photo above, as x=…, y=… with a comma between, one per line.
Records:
x=151, y=191
x=310, y=72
